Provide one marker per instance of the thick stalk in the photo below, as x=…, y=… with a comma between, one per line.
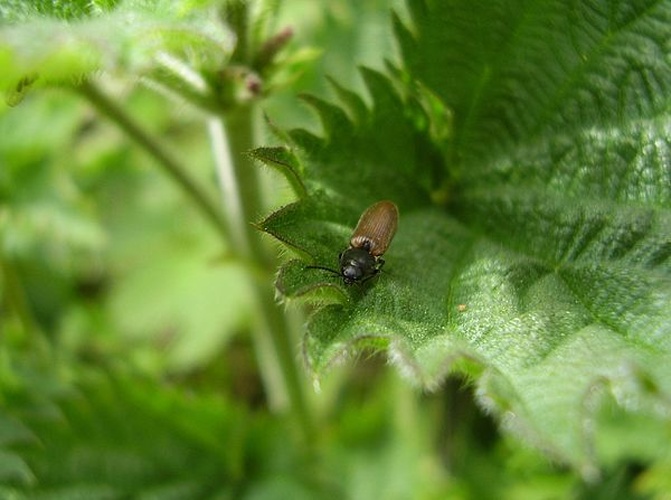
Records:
x=231, y=138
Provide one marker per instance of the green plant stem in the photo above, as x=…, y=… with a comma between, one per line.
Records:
x=175, y=170
x=231, y=138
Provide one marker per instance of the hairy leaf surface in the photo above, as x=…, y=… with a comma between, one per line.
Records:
x=535, y=232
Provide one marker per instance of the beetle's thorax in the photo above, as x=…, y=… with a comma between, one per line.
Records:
x=357, y=264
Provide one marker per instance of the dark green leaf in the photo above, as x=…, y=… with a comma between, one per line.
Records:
x=548, y=267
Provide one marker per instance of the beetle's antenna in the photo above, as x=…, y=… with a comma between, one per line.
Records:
x=323, y=268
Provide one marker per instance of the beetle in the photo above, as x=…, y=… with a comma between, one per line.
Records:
x=373, y=233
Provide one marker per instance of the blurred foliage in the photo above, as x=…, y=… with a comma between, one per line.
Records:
x=128, y=365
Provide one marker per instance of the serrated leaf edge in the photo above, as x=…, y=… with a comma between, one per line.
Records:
x=288, y=171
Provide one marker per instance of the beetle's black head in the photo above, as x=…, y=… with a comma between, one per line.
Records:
x=356, y=264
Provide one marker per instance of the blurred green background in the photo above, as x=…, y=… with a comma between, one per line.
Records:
x=128, y=365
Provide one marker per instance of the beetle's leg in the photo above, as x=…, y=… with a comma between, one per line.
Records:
x=372, y=274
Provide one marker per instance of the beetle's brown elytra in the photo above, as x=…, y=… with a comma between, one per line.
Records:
x=376, y=228
x=370, y=240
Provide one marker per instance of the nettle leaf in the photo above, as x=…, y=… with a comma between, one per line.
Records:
x=546, y=275
x=47, y=42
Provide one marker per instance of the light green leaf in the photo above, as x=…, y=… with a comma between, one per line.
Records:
x=62, y=43
x=43, y=212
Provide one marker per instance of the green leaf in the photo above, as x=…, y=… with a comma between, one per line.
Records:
x=546, y=274
x=43, y=212
x=19, y=10
x=186, y=312
x=285, y=162
x=64, y=41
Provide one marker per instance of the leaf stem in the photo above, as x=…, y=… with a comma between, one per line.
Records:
x=232, y=138
x=175, y=170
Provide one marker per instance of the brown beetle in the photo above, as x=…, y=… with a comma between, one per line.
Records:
x=371, y=238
